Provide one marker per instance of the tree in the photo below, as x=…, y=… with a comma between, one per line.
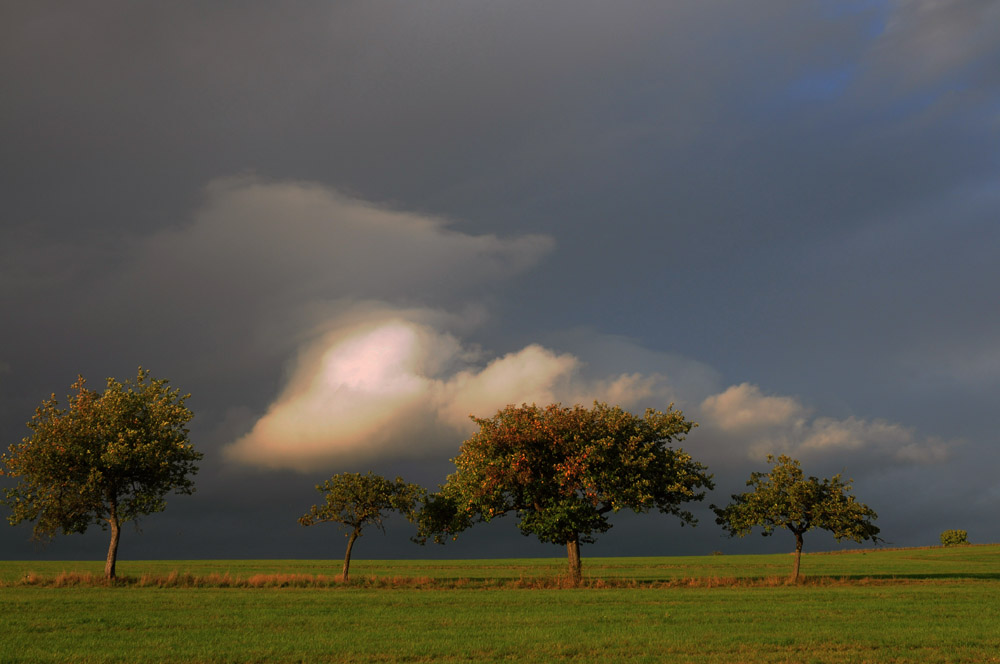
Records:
x=784, y=499
x=356, y=501
x=107, y=459
x=562, y=471
x=954, y=538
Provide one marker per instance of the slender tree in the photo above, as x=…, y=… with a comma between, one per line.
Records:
x=562, y=471
x=356, y=501
x=784, y=498
x=108, y=458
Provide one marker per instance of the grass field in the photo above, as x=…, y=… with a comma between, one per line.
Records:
x=911, y=605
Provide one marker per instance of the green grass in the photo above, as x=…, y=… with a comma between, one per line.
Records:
x=967, y=562
x=925, y=605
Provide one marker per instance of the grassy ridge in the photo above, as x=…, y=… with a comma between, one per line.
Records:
x=946, y=609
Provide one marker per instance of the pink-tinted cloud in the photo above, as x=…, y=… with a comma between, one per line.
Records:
x=391, y=385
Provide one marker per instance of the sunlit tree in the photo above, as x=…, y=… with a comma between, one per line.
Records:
x=563, y=471
x=356, y=501
x=785, y=498
x=108, y=458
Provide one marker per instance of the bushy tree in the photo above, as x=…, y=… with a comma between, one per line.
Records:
x=954, y=538
x=562, y=471
x=784, y=498
x=108, y=458
x=356, y=501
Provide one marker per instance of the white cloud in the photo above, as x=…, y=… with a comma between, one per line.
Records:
x=302, y=240
x=384, y=382
x=531, y=375
x=388, y=384
x=743, y=407
x=348, y=397
x=743, y=419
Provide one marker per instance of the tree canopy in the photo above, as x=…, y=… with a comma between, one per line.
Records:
x=784, y=498
x=563, y=470
x=108, y=458
x=356, y=501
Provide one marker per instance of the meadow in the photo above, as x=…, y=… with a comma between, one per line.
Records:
x=909, y=605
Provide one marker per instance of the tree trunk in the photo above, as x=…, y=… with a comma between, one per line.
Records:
x=573, y=551
x=109, y=565
x=798, y=557
x=347, y=556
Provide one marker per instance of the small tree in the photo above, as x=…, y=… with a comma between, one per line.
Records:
x=107, y=459
x=356, y=501
x=784, y=499
x=954, y=538
x=563, y=471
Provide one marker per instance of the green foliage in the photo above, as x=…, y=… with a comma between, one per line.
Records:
x=784, y=498
x=355, y=501
x=108, y=458
x=562, y=471
x=954, y=538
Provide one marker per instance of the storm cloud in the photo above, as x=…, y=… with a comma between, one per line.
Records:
x=346, y=228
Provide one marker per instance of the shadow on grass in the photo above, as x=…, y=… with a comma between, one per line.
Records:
x=982, y=576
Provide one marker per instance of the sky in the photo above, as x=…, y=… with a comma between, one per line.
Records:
x=345, y=227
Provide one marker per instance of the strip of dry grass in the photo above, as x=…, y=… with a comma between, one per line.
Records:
x=971, y=562
x=176, y=579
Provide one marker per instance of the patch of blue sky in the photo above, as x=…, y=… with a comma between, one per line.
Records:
x=959, y=97
x=824, y=84
x=810, y=97
x=821, y=86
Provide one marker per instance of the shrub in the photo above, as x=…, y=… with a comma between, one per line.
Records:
x=954, y=538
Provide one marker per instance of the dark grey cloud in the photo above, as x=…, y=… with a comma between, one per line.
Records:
x=796, y=197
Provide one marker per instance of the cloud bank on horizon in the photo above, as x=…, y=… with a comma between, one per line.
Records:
x=376, y=380
x=374, y=391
